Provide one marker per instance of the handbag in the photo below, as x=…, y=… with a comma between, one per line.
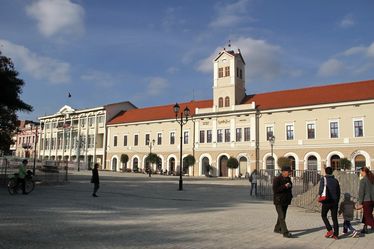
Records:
x=323, y=196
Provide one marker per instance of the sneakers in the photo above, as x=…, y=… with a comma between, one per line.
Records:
x=329, y=234
x=355, y=234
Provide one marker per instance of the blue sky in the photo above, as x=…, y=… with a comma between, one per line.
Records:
x=160, y=52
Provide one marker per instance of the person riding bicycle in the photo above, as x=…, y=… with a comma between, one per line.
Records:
x=22, y=175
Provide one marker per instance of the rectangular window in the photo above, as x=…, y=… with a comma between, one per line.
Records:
x=100, y=120
x=91, y=141
x=237, y=72
x=241, y=74
x=147, y=140
x=83, y=122
x=220, y=72
x=289, y=132
x=125, y=140
x=209, y=136
x=185, y=137
x=334, y=129
x=172, y=137
x=311, y=129
x=269, y=132
x=219, y=136
x=238, y=134
x=91, y=121
x=136, y=140
x=247, y=134
x=115, y=141
x=227, y=71
x=227, y=135
x=359, y=128
x=159, y=138
x=202, y=137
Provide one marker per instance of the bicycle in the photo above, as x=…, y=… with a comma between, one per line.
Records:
x=14, y=185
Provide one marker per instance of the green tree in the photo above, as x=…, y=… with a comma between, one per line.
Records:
x=283, y=161
x=153, y=158
x=232, y=164
x=188, y=161
x=124, y=160
x=345, y=163
x=10, y=101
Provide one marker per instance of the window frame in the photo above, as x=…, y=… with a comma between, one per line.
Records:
x=247, y=135
x=354, y=120
x=172, y=137
x=307, y=130
x=338, y=128
x=290, y=131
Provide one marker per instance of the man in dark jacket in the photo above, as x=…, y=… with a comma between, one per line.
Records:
x=95, y=179
x=331, y=203
x=282, y=189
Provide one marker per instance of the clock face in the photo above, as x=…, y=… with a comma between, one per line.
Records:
x=224, y=61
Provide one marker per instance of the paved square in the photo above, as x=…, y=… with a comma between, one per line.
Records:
x=135, y=211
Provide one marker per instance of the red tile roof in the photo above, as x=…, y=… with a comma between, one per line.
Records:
x=326, y=94
x=157, y=112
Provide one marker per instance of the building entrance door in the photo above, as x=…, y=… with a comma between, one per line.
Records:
x=223, y=170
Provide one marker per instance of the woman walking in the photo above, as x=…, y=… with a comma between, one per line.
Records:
x=366, y=198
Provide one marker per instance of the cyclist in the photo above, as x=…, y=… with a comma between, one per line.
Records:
x=22, y=175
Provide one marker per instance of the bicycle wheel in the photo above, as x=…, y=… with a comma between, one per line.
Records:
x=12, y=186
x=29, y=186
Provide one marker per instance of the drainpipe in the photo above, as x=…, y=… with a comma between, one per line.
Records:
x=258, y=116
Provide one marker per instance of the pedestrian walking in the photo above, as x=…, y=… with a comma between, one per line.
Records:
x=331, y=203
x=282, y=192
x=347, y=207
x=366, y=198
x=95, y=179
x=22, y=175
x=253, y=180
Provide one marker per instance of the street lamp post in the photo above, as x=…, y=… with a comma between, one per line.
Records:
x=271, y=141
x=150, y=144
x=185, y=114
x=35, y=144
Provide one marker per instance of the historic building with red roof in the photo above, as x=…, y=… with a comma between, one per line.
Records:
x=314, y=127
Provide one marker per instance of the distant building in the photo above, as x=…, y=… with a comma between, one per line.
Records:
x=25, y=139
x=77, y=135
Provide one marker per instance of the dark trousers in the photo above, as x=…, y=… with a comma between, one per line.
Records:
x=22, y=182
x=333, y=207
x=281, y=226
x=347, y=226
x=96, y=187
x=368, y=219
x=254, y=186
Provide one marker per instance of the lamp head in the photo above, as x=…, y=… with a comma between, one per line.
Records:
x=176, y=108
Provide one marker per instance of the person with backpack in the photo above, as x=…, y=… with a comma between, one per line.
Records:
x=331, y=202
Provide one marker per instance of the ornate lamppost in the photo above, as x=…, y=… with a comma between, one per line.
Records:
x=182, y=120
x=35, y=144
x=150, y=143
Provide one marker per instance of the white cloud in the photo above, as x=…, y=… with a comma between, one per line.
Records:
x=57, y=17
x=172, y=70
x=39, y=67
x=330, y=67
x=347, y=22
x=230, y=14
x=370, y=50
x=156, y=86
x=262, y=59
x=99, y=78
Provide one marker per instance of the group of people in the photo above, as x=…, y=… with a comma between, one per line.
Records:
x=282, y=196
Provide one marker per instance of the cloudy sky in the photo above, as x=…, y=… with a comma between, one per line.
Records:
x=160, y=52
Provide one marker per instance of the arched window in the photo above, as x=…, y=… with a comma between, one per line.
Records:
x=270, y=162
x=335, y=162
x=312, y=163
x=360, y=161
x=293, y=165
x=220, y=102
x=114, y=164
x=227, y=101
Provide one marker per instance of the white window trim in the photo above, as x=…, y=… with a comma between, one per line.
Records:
x=123, y=139
x=353, y=127
x=145, y=140
x=315, y=130
x=159, y=133
x=133, y=139
x=329, y=128
x=285, y=128
x=174, y=137
x=115, y=136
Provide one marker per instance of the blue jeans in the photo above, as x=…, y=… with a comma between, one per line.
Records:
x=347, y=226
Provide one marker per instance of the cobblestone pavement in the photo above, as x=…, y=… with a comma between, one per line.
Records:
x=135, y=211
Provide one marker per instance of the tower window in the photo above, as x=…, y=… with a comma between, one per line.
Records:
x=220, y=102
x=237, y=72
x=227, y=101
x=220, y=72
x=227, y=71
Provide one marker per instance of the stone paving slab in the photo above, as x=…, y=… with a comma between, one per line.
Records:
x=135, y=211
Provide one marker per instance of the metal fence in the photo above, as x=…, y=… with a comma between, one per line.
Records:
x=46, y=172
x=302, y=180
